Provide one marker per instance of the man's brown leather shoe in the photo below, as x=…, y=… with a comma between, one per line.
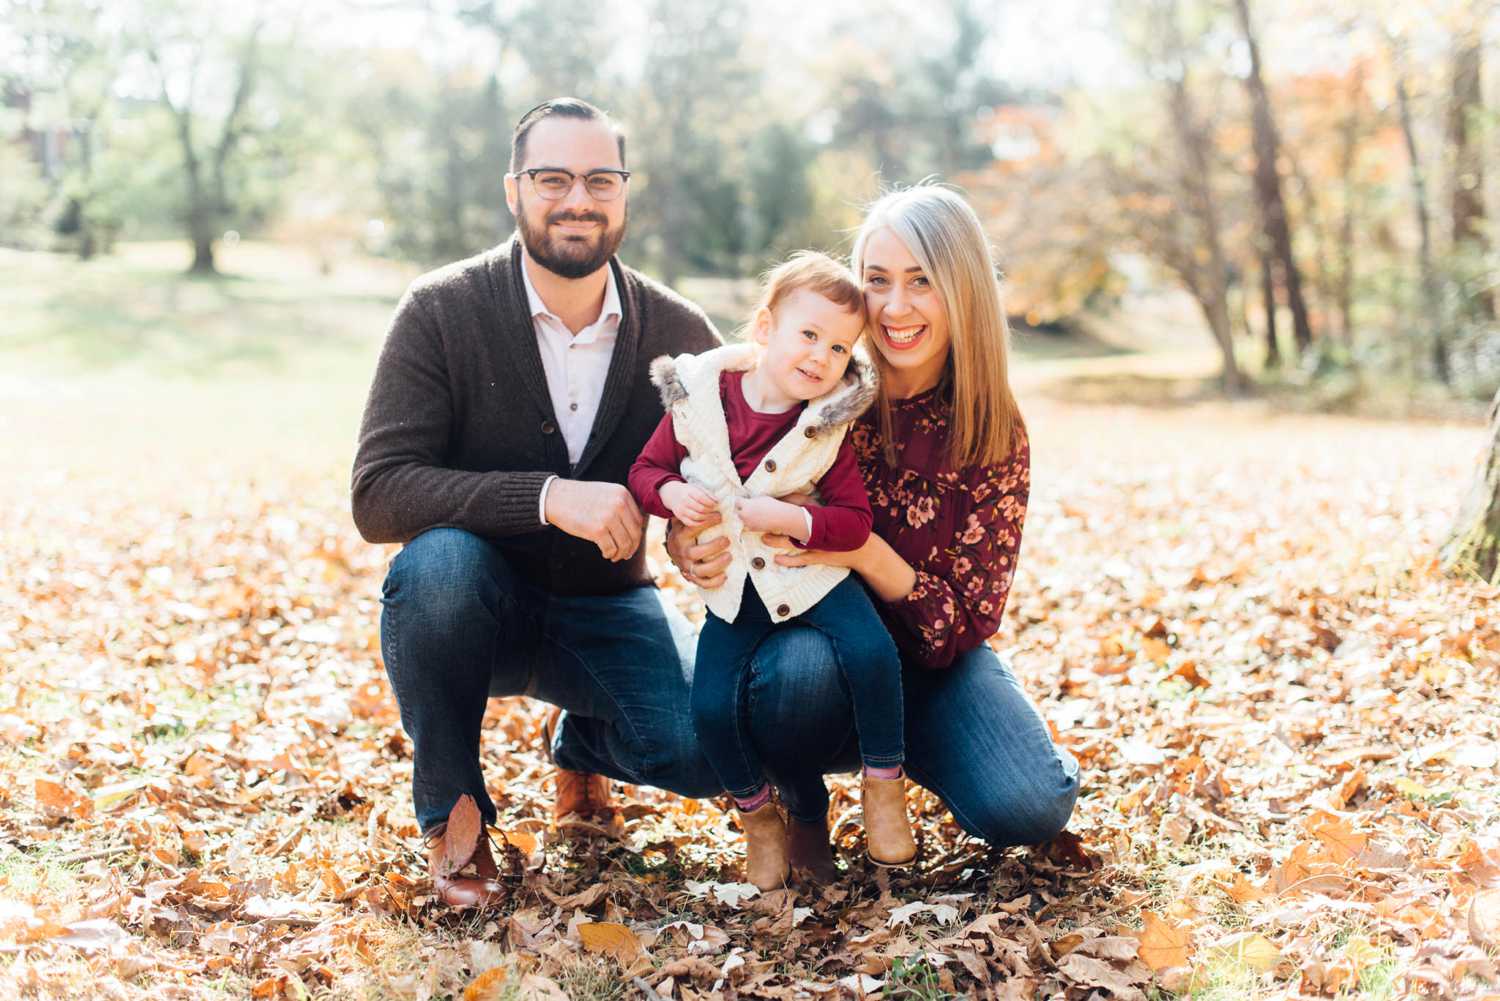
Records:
x=464, y=873
x=582, y=794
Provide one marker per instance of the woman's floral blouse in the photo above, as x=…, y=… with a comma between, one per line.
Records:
x=961, y=529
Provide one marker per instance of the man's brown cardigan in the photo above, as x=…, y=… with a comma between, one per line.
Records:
x=459, y=429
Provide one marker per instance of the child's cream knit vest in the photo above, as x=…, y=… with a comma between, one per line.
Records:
x=689, y=387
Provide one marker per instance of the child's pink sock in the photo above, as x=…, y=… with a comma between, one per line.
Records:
x=755, y=802
x=893, y=772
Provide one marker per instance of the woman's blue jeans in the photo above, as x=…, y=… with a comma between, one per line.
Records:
x=458, y=626
x=972, y=737
x=862, y=651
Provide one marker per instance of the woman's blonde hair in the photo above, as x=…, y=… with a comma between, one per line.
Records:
x=814, y=271
x=944, y=235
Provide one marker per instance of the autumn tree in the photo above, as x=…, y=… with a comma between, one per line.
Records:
x=1277, y=254
x=1166, y=185
x=1466, y=186
x=212, y=73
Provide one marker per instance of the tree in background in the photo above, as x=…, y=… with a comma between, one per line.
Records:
x=1465, y=144
x=696, y=96
x=1159, y=162
x=1276, y=253
x=72, y=67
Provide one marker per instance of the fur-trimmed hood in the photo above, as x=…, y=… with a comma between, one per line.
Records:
x=676, y=378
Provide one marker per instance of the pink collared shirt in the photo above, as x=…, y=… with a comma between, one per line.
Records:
x=576, y=366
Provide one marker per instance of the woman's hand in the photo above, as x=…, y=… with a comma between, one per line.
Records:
x=853, y=559
x=702, y=564
x=880, y=566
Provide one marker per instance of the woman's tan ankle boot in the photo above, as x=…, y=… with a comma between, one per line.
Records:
x=887, y=831
x=765, y=846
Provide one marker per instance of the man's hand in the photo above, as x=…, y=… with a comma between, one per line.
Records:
x=603, y=513
x=703, y=564
x=691, y=504
x=767, y=514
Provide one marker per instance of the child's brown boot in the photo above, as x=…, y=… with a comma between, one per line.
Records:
x=765, y=846
x=887, y=831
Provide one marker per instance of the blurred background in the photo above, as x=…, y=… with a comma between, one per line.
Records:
x=1188, y=197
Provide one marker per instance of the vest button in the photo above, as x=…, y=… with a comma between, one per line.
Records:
x=548, y=427
x=770, y=465
x=810, y=432
x=758, y=563
x=782, y=611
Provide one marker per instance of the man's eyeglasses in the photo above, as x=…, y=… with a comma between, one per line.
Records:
x=554, y=183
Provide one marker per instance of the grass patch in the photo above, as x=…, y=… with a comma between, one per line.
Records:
x=913, y=978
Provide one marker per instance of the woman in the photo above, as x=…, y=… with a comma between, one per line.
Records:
x=945, y=459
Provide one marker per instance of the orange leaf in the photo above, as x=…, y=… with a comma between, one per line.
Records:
x=1350, y=787
x=1188, y=671
x=1243, y=891
x=486, y=986
x=1341, y=840
x=1155, y=649
x=526, y=843
x=1164, y=944
x=610, y=938
x=59, y=801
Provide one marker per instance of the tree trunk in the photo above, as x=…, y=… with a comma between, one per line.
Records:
x=1348, y=152
x=1465, y=104
x=1474, y=545
x=1211, y=285
x=1268, y=304
x=1268, y=184
x=1431, y=299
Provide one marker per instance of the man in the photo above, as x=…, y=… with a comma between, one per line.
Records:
x=509, y=401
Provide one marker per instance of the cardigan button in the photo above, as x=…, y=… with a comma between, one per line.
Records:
x=770, y=465
x=758, y=563
x=782, y=611
x=548, y=427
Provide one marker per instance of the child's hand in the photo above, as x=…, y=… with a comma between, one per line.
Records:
x=692, y=505
x=767, y=514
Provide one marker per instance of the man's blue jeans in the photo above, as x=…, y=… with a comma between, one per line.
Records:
x=863, y=653
x=972, y=737
x=458, y=626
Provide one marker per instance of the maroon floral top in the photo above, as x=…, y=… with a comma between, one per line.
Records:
x=960, y=530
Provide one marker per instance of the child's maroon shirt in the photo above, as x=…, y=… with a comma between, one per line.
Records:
x=841, y=522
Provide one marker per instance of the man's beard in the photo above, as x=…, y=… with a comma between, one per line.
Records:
x=571, y=257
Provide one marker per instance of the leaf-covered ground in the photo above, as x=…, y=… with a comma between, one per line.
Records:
x=1284, y=715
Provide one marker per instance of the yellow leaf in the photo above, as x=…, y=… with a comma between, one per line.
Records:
x=1252, y=949
x=1164, y=944
x=610, y=938
x=486, y=986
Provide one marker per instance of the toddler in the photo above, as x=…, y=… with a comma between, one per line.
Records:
x=747, y=424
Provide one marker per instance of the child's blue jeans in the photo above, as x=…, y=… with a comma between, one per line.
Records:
x=863, y=651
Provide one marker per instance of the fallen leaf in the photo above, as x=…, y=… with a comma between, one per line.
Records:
x=1484, y=919
x=611, y=939
x=1252, y=949
x=941, y=913
x=488, y=986
x=1164, y=944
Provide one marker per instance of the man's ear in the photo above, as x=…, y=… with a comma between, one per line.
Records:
x=512, y=195
x=760, y=327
